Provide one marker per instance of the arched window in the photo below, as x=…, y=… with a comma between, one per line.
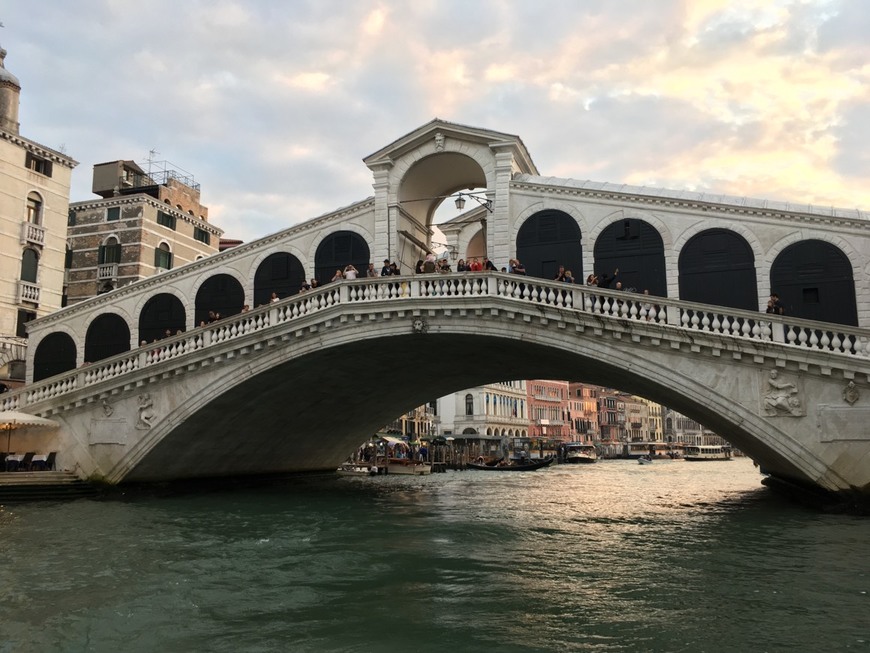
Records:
x=34, y=208
x=547, y=240
x=29, y=265
x=469, y=405
x=717, y=266
x=110, y=251
x=163, y=257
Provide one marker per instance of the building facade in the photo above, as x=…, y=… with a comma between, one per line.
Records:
x=34, y=196
x=583, y=412
x=143, y=224
x=548, y=410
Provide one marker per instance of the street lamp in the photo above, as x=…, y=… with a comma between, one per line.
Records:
x=483, y=201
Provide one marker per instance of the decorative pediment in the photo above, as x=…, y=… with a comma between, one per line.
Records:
x=439, y=132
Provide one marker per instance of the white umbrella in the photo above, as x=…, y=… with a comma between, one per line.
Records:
x=13, y=419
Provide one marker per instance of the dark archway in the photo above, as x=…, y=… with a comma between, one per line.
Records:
x=107, y=336
x=222, y=294
x=547, y=240
x=55, y=354
x=634, y=247
x=814, y=281
x=336, y=251
x=161, y=312
x=280, y=273
x=717, y=266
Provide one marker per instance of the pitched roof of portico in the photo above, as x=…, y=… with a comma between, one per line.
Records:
x=413, y=139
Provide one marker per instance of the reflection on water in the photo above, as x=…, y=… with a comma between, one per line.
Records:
x=615, y=556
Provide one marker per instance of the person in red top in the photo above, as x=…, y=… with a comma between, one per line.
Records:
x=476, y=265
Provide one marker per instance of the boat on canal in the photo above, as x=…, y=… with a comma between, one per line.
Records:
x=645, y=460
x=580, y=453
x=512, y=466
x=707, y=452
x=357, y=469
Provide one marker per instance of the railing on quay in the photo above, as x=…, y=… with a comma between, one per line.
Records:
x=624, y=306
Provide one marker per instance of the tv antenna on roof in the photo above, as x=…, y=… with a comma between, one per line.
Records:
x=152, y=153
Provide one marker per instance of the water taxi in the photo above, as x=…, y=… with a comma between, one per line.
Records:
x=578, y=453
x=707, y=452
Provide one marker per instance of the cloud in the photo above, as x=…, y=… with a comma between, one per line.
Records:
x=272, y=106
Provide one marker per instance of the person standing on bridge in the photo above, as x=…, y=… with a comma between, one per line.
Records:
x=387, y=270
x=350, y=272
x=604, y=279
x=774, y=306
x=338, y=276
x=371, y=273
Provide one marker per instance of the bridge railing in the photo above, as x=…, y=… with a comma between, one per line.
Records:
x=625, y=306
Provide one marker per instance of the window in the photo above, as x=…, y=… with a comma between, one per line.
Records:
x=163, y=257
x=37, y=164
x=110, y=252
x=469, y=405
x=201, y=235
x=23, y=318
x=113, y=214
x=29, y=265
x=34, y=209
x=68, y=258
x=166, y=219
x=71, y=218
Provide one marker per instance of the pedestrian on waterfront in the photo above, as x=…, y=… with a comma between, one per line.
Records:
x=387, y=270
x=371, y=273
x=350, y=272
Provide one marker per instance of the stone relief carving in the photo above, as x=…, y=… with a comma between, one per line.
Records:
x=107, y=408
x=781, y=397
x=146, y=412
x=850, y=393
x=419, y=325
x=439, y=142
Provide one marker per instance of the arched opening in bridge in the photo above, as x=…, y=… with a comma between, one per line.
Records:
x=337, y=251
x=717, y=266
x=280, y=273
x=547, y=240
x=55, y=354
x=814, y=281
x=424, y=188
x=161, y=313
x=221, y=294
x=635, y=248
x=108, y=335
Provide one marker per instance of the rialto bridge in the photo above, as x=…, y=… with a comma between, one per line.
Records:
x=292, y=385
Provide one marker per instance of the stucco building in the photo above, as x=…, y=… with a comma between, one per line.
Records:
x=34, y=195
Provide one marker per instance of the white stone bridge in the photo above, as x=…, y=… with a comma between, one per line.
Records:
x=295, y=385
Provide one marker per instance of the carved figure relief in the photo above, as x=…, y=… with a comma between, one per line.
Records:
x=439, y=142
x=781, y=397
x=850, y=393
x=419, y=325
x=146, y=412
x=107, y=408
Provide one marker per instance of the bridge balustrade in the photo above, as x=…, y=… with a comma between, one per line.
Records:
x=619, y=305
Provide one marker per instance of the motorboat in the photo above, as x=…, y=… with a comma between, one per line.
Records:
x=645, y=460
x=356, y=469
x=707, y=452
x=579, y=453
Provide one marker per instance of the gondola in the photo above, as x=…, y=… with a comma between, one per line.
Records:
x=523, y=467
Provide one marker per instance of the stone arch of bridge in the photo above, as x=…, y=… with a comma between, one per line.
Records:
x=329, y=371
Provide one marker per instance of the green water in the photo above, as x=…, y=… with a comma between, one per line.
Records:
x=615, y=556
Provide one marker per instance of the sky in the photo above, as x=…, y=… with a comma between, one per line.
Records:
x=272, y=105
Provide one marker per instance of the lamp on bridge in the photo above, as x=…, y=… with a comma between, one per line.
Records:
x=483, y=201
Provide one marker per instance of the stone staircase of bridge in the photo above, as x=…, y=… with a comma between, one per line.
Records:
x=16, y=487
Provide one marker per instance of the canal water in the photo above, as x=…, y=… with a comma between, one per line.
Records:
x=616, y=556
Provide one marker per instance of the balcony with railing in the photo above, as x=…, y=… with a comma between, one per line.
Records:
x=106, y=271
x=28, y=292
x=32, y=234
